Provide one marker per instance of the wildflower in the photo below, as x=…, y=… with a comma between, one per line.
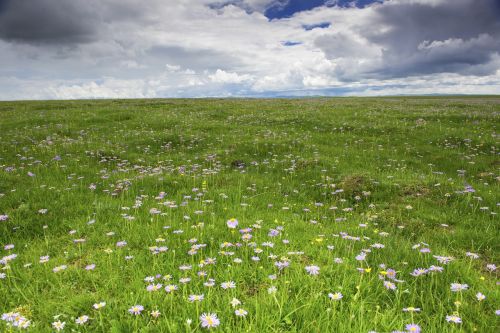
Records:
x=170, y=288
x=444, y=260
x=81, y=320
x=58, y=325
x=196, y=298
x=44, y=259
x=480, y=296
x=121, y=244
x=209, y=320
x=413, y=328
x=335, y=296
x=454, y=319
x=472, y=255
x=154, y=287
x=228, y=285
x=209, y=283
x=361, y=256
x=438, y=269
x=411, y=309
x=456, y=287
x=99, y=305
x=312, y=270
x=90, y=267
x=389, y=285
x=59, y=268
x=240, y=313
x=491, y=267
x=155, y=313
x=3, y=275
x=232, y=223
x=235, y=302
x=4, y=217
x=391, y=274
x=136, y=310
x=419, y=272
x=272, y=290
x=273, y=233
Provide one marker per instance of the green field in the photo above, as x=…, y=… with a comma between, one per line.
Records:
x=395, y=200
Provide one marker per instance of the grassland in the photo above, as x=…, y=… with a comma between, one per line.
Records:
x=113, y=201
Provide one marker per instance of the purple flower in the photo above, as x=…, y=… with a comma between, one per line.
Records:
x=454, y=319
x=456, y=287
x=121, y=243
x=4, y=217
x=419, y=271
x=232, y=223
x=414, y=328
x=389, y=285
x=312, y=270
x=209, y=320
x=136, y=310
x=273, y=233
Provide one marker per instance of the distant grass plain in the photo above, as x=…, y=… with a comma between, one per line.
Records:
x=328, y=214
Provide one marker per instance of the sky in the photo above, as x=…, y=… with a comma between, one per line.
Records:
x=74, y=49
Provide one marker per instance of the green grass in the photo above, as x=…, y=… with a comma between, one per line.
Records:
x=402, y=165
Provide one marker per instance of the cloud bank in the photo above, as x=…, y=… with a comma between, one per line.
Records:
x=64, y=49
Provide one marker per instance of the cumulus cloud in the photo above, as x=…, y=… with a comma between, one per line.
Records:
x=127, y=48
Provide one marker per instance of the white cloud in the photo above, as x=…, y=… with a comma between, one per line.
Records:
x=185, y=48
x=221, y=76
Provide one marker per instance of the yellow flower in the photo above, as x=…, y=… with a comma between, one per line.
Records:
x=368, y=270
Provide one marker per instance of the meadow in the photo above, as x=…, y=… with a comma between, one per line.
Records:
x=250, y=215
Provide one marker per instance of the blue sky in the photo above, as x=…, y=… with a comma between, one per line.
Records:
x=286, y=9
x=66, y=49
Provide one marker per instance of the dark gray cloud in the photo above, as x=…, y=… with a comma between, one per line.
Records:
x=458, y=36
x=338, y=45
x=47, y=21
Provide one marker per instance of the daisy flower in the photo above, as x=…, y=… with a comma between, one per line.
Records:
x=454, y=319
x=228, y=285
x=456, y=287
x=235, y=302
x=480, y=296
x=209, y=320
x=154, y=287
x=81, y=320
x=413, y=328
x=240, y=313
x=58, y=325
x=170, y=288
x=136, y=310
x=196, y=298
x=232, y=223
x=389, y=285
x=335, y=296
x=312, y=270
x=99, y=305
